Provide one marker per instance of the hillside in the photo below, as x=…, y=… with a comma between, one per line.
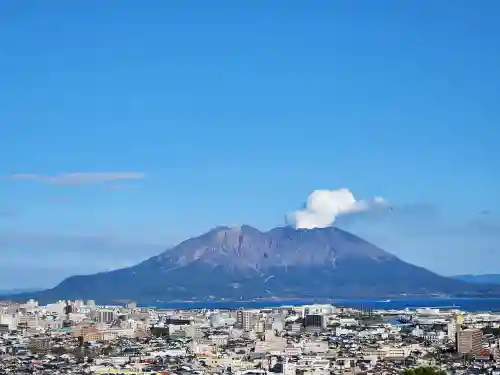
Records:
x=480, y=279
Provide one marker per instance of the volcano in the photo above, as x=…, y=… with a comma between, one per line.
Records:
x=244, y=262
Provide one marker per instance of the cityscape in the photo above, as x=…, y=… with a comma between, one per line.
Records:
x=80, y=337
x=249, y=187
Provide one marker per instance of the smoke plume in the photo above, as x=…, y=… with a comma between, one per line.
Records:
x=324, y=206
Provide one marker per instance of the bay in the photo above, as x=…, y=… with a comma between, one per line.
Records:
x=465, y=304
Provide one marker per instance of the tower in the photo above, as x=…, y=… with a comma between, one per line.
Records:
x=458, y=320
x=68, y=309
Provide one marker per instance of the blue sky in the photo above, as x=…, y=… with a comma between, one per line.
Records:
x=183, y=115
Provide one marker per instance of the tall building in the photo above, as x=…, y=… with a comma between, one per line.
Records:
x=452, y=331
x=245, y=319
x=314, y=322
x=260, y=326
x=105, y=316
x=248, y=321
x=239, y=319
x=469, y=341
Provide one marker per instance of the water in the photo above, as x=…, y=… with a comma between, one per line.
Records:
x=465, y=304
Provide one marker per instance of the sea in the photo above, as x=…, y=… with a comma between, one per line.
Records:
x=464, y=304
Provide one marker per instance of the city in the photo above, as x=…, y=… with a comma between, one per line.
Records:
x=79, y=337
x=234, y=187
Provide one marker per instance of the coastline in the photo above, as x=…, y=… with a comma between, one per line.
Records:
x=464, y=303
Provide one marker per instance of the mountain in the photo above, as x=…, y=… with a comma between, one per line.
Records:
x=246, y=263
x=480, y=279
x=17, y=290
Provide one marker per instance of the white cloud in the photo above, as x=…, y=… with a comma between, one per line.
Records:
x=323, y=206
x=78, y=178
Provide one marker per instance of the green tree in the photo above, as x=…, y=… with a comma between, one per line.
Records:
x=423, y=371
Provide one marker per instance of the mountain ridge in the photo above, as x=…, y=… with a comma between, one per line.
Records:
x=244, y=262
x=489, y=278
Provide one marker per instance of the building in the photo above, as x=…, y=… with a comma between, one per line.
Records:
x=295, y=329
x=219, y=340
x=105, y=316
x=39, y=344
x=245, y=319
x=10, y=320
x=452, y=331
x=469, y=341
x=260, y=326
x=278, y=324
x=91, y=333
x=194, y=331
x=131, y=305
x=271, y=343
x=314, y=322
x=248, y=320
x=239, y=319
x=223, y=319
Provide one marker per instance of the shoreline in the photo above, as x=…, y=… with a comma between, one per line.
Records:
x=465, y=304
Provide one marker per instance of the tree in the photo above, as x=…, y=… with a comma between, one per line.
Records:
x=423, y=371
x=107, y=350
